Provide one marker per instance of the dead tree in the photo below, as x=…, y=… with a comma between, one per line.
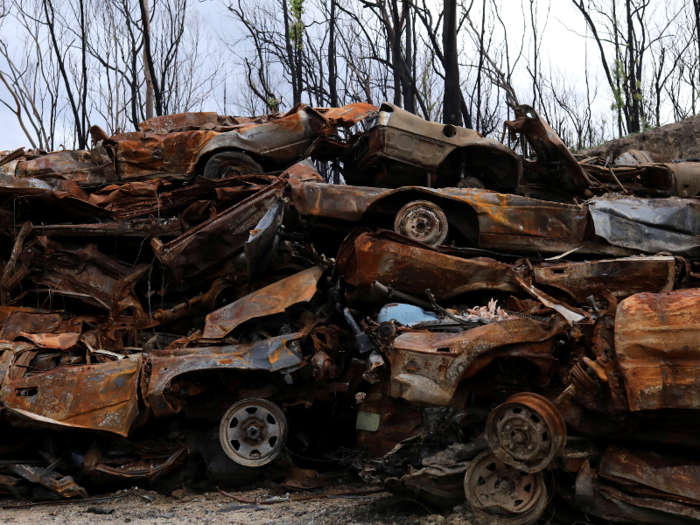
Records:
x=451, y=111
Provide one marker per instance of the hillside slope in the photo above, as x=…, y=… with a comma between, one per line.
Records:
x=680, y=140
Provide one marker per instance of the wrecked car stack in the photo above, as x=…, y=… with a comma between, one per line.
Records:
x=476, y=320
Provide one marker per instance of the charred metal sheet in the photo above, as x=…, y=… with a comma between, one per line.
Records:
x=85, y=273
x=303, y=171
x=130, y=228
x=623, y=277
x=216, y=239
x=440, y=480
x=410, y=267
x=677, y=478
x=554, y=160
x=426, y=367
x=34, y=321
x=656, y=345
x=52, y=480
x=349, y=115
x=149, y=155
x=82, y=167
x=571, y=315
x=649, y=225
x=649, y=180
x=277, y=354
x=167, y=123
x=102, y=396
x=263, y=241
x=128, y=201
x=394, y=420
x=646, y=174
x=272, y=299
x=148, y=469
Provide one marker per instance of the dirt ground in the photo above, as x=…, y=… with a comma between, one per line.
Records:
x=139, y=506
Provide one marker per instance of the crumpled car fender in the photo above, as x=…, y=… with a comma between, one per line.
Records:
x=426, y=367
x=278, y=354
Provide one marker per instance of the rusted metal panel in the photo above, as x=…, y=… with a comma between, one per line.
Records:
x=349, y=115
x=82, y=167
x=656, y=345
x=554, y=160
x=18, y=320
x=649, y=225
x=145, y=198
x=84, y=273
x=150, y=155
x=276, y=354
x=52, y=480
x=167, y=123
x=216, y=239
x=96, y=397
x=272, y=299
x=623, y=277
x=672, y=476
x=147, y=469
x=396, y=419
x=409, y=268
x=303, y=171
x=426, y=367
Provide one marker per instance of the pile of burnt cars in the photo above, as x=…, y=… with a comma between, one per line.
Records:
x=197, y=300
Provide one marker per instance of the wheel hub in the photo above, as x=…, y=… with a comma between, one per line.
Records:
x=253, y=432
x=526, y=432
x=422, y=221
x=492, y=489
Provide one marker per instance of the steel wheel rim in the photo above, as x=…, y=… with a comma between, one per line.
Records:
x=526, y=432
x=496, y=490
x=253, y=432
x=422, y=221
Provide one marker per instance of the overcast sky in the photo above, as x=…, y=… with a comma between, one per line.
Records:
x=563, y=47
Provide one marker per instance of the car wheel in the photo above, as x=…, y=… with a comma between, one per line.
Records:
x=498, y=493
x=230, y=164
x=253, y=432
x=422, y=221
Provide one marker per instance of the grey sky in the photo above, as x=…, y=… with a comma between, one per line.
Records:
x=562, y=48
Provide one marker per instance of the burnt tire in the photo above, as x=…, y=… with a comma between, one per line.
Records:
x=230, y=164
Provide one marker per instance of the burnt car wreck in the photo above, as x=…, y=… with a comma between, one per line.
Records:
x=196, y=301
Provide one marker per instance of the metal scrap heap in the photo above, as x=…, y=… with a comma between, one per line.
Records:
x=230, y=298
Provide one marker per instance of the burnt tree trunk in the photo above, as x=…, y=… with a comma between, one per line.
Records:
x=332, y=81
x=452, y=104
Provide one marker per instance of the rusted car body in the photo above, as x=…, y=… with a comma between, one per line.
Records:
x=402, y=149
x=504, y=223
